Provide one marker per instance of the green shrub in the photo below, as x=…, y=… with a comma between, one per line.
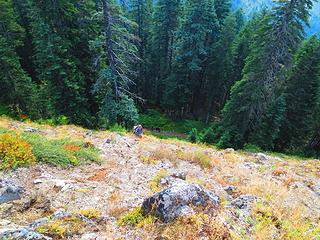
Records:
x=60, y=152
x=209, y=136
x=118, y=128
x=154, y=119
x=193, y=135
x=251, y=148
x=14, y=152
x=59, y=120
x=136, y=218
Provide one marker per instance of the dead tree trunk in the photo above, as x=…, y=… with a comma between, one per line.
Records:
x=109, y=46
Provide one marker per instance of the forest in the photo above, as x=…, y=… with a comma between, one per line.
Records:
x=99, y=62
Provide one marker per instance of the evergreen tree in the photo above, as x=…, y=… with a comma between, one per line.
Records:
x=222, y=8
x=241, y=46
x=252, y=98
x=195, y=40
x=53, y=30
x=113, y=85
x=301, y=97
x=165, y=23
x=221, y=68
x=16, y=86
x=141, y=13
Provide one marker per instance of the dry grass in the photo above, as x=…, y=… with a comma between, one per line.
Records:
x=154, y=183
x=272, y=221
x=199, y=226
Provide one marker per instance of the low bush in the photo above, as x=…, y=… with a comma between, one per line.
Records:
x=59, y=120
x=60, y=152
x=136, y=218
x=193, y=135
x=14, y=152
x=118, y=128
x=155, y=119
x=209, y=136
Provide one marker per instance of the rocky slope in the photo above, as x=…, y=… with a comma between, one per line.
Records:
x=259, y=196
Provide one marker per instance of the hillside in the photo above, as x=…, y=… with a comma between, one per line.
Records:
x=259, y=196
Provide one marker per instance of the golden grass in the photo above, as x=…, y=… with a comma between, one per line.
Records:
x=200, y=226
x=154, y=183
x=91, y=213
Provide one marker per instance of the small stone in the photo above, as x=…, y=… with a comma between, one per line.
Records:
x=244, y=201
x=230, y=189
x=180, y=175
x=31, y=130
x=262, y=157
x=108, y=140
x=229, y=150
x=90, y=236
x=37, y=181
x=22, y=234
x=10, y=192
x=4, y=222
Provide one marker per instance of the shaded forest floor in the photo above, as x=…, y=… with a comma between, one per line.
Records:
x=286, y=191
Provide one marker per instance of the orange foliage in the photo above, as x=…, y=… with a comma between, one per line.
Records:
x=14, y=152
x=72, y=148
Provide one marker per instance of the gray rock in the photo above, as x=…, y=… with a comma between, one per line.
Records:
x=31, y=130
x=244, y=201
x=229, y=150
x=10, y=191
x=181, y=175
x=91, y=236
x=23, y=234
x=262, y=157
x=230, y=189
x=177, y=200
x=59, y=214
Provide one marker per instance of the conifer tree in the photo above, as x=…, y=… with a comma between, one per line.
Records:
x=53, y=28
x=195, y=40
x=16, y=86
x=301, y=97
x=141, y=13
x=221, y=67
x=165, y=23
x=278, y=36
x=222, y=8
x=113, y=85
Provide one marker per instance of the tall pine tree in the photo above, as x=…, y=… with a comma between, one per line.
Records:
x=302, y=96
x=255, y=96
x=195, y=40
x=16, y=86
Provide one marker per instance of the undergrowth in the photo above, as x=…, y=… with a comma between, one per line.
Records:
x=17, y=149
x=137, y=218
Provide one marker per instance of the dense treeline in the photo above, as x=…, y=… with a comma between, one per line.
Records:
x=97, y=61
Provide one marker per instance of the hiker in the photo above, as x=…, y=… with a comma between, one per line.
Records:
x=137, y=130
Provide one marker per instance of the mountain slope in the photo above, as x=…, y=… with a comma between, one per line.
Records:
x=262, y=197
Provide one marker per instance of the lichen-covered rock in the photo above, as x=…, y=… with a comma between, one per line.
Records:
x=10, y=191
x=244, y=201
x=59, y=214
x=178, y=198
x=23, y=234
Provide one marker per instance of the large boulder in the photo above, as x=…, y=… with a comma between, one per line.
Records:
x=178, y=199
x=9, y=191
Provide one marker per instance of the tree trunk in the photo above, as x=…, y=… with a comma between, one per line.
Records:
x=109, y=46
